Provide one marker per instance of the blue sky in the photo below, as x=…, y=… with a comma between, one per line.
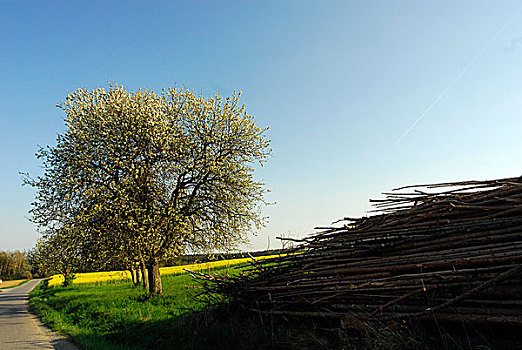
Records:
x=337, y=82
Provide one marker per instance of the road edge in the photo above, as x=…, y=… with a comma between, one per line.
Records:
x=58, y=340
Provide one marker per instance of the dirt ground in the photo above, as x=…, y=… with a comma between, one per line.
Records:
x=6, y=284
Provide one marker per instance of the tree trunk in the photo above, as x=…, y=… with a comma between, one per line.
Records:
x=144, y=278
x=67, y=278
x=133, y=275
x=155, y=286
x=138, y=276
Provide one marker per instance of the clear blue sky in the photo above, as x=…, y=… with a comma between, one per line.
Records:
x=338, y=82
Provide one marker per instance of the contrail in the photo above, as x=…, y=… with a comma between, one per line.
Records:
x=457, y=77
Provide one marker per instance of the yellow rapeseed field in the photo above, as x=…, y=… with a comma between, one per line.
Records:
x=92, y=277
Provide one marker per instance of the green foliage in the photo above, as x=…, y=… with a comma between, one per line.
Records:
x=139, y=177
x=59, y=253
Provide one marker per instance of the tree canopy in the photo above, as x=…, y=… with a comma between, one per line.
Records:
x=143, y=175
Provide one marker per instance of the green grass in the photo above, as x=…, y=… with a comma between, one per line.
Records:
x=117, y=315
x=106, y=315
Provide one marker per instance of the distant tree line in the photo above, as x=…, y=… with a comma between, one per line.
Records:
x=202, y=258
x=14, y=265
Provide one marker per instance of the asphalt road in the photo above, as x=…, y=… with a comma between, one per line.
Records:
x=20, y=329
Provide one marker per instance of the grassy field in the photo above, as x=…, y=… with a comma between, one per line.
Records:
x=117, y=315
x=114, y=315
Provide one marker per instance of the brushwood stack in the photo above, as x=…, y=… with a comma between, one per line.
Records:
x=450, y=251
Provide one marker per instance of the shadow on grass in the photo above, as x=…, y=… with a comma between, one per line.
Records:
x=220, y=330
x=214, y=329
x=201, y=330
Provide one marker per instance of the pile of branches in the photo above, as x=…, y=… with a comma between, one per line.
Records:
x=450, y=251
